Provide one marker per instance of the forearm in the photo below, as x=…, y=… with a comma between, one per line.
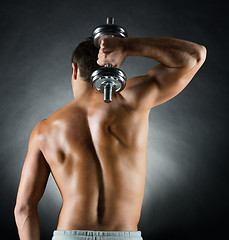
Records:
x=28, y=225
x=171, y=52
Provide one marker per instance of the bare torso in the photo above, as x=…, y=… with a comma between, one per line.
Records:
x=97, y=151
x=97, y=156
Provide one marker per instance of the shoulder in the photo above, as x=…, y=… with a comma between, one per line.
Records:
x=39, y=127
x=138, y=91
x=37, y=132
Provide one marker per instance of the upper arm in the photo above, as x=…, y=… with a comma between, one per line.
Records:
x=159, y=84
x=35, y=173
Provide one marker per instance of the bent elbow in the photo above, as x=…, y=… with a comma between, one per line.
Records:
x=202, y=54
x=197, y=57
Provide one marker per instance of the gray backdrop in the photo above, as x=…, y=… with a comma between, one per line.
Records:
x=186, y=195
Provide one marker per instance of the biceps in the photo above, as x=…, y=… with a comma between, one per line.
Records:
x=33, y=179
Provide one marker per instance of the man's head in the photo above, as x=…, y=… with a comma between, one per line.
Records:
x=85, y=57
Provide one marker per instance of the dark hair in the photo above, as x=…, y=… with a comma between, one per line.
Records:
x=85, y=56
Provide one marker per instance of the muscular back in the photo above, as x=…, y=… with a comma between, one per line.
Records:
x=97, y=155
x=97, y=151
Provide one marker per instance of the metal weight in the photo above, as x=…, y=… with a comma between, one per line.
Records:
x=107, y=30
x=107, y=79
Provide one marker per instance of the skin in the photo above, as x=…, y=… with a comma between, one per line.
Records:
x=96, y=151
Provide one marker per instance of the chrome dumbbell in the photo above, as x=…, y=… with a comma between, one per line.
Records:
x=108, y=79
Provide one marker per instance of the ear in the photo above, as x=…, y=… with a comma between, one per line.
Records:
x=74, y=71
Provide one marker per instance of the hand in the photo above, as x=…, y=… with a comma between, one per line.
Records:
x=112, y=50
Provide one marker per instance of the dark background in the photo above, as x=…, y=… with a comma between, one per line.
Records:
x=186, y=194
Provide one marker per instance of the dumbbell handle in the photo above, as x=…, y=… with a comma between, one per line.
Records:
x=107, y=91
x=108, y=88
x=108, y=65
x=110, y=20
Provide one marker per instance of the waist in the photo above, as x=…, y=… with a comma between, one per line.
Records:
x=92, y=235
x=110, y=215
x=85, y=218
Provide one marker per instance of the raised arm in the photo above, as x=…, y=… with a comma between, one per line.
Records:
x=32, y=185
x=179, y=62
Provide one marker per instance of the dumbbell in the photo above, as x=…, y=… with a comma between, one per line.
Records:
x=108, y=79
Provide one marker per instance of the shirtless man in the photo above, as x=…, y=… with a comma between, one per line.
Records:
x=97, y=151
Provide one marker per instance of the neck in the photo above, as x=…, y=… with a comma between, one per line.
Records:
x=84, y=91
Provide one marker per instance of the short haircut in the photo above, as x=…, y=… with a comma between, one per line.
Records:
x=85, y=56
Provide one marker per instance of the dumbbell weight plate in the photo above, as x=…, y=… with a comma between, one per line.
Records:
x=107, y=30
x=103, y=75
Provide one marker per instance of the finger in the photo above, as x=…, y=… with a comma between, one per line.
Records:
x=101, y=51
x=106, y=50
x=102, y=61
x=102, y=43
x=102, y=56
x=99, y=62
